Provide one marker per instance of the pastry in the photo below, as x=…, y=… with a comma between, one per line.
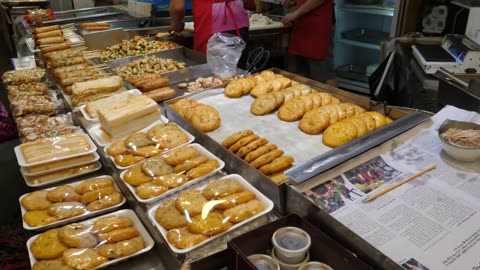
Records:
x=259, y=152
x=379, y=119
x=221, y=188
x=105, y=202
x=206, y=118
x=180, y=155
x=65, y=193
x=168, y=216
x=97, y=194
x=64, y=210
x=264, y=104
x=157, y=131
x=251, y=147
x=277, y=164
x=181, y=238
x=77, y=235
x=37, y=218
x=83, y=258
x=368, y=120
x=314, y=121
x=203, y=169
x=171, y=139
x=147, y=151
x=122, y=248
x=51, y=265
x=156, y=167
x=93, y=184
x=212, y=224
x=190, y=164
x=127, y=160
x=244, y=211
x=110, y=223
x=138, y=140
x=118, y=235
x=242, y=142
x=172, y=180
x=266, y=158
x=234, y=89
x=235, y=199
x=117, y=148
x=36, y=200
x=339, y=134
x=150, y=190
x=190, y=202
x=135, y=176
x=47, y=246
x=235, y=137
x=359, y=123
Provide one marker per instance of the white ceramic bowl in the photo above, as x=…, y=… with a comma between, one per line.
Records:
x=287, y=266
x=291, y=244
x=459, y=153
x=315, y=266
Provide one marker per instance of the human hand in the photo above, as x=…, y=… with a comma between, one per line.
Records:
x=177, y=26
x=289, y=18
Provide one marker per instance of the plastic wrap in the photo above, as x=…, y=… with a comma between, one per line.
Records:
x=28, y=105
x=17, y=77
x=223, y=52
x=36, y=127
x=16, y=92
x=41, y=180
x=90, y=244
x=49, y=207
x=34, y=15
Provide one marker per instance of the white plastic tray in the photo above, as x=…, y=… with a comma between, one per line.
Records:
x=22, y=162
x=248, y=187
x=190, y=139
x=31, y=183
x=72, y=219
x=103, y=139
x=121, y=213
x=203, y=152
x=96, y=157
x=129, y=93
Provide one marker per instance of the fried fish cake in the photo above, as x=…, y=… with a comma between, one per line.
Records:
x=326, y=98
x=156, y=167
x=48, y=246
x=38, y=218
x=277, y=164
x=93, y=184
x=339, y=133
x=242, y=142
x=110, y=223
x=206, y=118
x=244, y=211
x=261, y=88
x=51, y=265
x=369, y=121
x=77, y=235
x=117, y=148
x=97, y=194
x=180, y=155
x=83, y=258
x=259, y=152
x=379, y=119
x=234, y=89
x=349, y=110
x=122, y=248
x=264, y=104
x=168, y=216
x=36, y=200
x=150, y=190
x=105, y=202
x=158, y=131
x=236, y=199
x=358, y=122
x=64, y=210
x=332, y=112
x=266, y=158
x=127, y=160
x=235, y=137
x=203, y=169
x=65, y=193
x=251, y=147
x=292, y=110
x=314, y=121
x=181, y=238
x=135, y=176
x=138, y=140
x=213, y=223
x=190, y=164
x=171, y=139
x=221, y=188
x=172, y=180
x=190, y=202
x=148, y=151
x=118, y=235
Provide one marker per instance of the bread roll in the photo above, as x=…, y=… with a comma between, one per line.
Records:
x=162, y=93
x=45, y=29
x=56, y=33
x=53, y=48
x=155, y=84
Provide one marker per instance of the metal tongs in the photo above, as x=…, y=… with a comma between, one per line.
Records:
x=257, y=60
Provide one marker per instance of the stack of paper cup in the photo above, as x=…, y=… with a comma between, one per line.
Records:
x=290, y=247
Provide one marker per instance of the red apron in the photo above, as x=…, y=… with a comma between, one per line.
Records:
x=206, y=24
x=312, y=32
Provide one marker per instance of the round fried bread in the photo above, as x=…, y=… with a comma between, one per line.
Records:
x=379, y=119
x=36, y=200
x=314, y=121
x=190, y=202
x=180, y=155
x=181, y=238
x=48, y=246
x=150, y=190
x=206, y=118
x=168, y=216
x=339, y=133
x=263, y=104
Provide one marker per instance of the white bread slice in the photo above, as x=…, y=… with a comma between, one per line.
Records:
x=91, y=87
x=92, y=107
x=122, y=131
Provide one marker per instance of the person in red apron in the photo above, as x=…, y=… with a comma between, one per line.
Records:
x=210, y=17
x=311, y=36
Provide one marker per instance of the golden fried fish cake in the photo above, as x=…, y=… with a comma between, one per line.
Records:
x=77, y=235
x=36, y=200
x=349, y=110
x=156, y=167
x=279, y=98
x=264, y=104
x=135, y=176
x=369, y=121
x=122, y=248
x=171, y=139
x=172, y=180
x=307, y=102
x=181, y=238
x=180, y=155
x=290, y=94
x=93, y=184
x=118, y=235
x=97, y=194
x=341, y=110
x=148, y=151
x=358, y=122
x=314, y=121
x=65, y=193
x=317, y=100
x=235, y=199
x=379, y=119
x=221, y=188
x=246, y=85
x=48, y=246
x=277, y=164
x=157, y=131
x=213, y=223
x=326, y=98
x=339, y=133
x=261, y=88
x=83, y=258
x=242, y=142
x=259, y=151
x=51, y=265
x=206, y=118
x=117, y=148
x=38, y=218
x=127, y=160
x=183, y=105
x=190, y=202
x=244, y=211
x=64, y=210
x=190, y=164
x=150, y=190
x=286, y=82
x=110, y=223
x=168, y=216
x=203, y=169
x=332, y=112
x=251, y=147
x=234, y=89
x=235, y=137
x=266, y=158
x=138, y=140
x=105, y=202
x=292, y=110
x=277, y=85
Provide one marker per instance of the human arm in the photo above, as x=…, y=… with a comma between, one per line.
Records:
x=177, y=15
x=302, y=10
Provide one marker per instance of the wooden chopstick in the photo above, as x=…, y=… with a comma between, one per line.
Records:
x=394, y=186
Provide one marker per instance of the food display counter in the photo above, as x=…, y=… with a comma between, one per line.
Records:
x=205, y=155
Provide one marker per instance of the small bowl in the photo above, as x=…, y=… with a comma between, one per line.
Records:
x=264, y=262
x=315, y=266
x=457, y=152
x=291, y=244
x=287, y=266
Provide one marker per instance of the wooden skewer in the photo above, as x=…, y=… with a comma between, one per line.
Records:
x=394, y=186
